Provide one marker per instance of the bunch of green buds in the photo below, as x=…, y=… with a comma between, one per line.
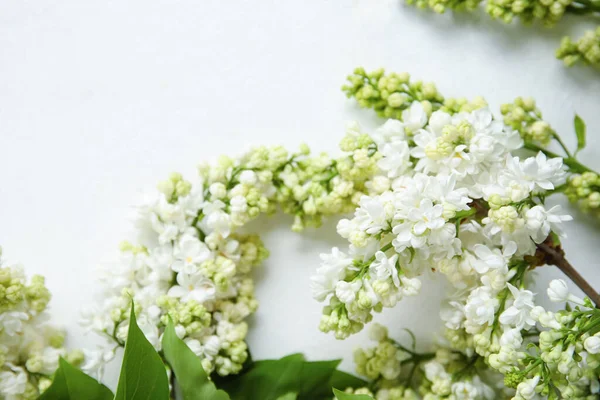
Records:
x=400, y=373
x=29, y=347
x=525, y=117
x=566, y=360
x=584, y=189
x=548, y=12
x=585, y=50
x=389, y=95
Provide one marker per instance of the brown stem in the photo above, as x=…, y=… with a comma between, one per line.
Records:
x=558, y=259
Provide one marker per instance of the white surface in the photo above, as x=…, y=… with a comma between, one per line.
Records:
x=100, y=99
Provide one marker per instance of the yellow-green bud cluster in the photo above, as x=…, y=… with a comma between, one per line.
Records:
x=586, y=49
x=585, y=190
x=174, y=187
x=390, y=94
x=12, y=288
x=307, y=187
x=126, y=246
x=459, y=339
x=547, y=11
x=524, y=116
x=29, y=347
x=14, y=291
x=315, y=187
x=335, y=319
x=380, y=361
x=440, y=6
x=233, y=357
x=252, y=252
x=191, y=315
x=457, y=105
x=234, y=350
x=37, y=294
x=452, y=136
x=567, y=357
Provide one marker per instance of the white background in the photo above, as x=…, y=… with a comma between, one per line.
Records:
x=100, y=99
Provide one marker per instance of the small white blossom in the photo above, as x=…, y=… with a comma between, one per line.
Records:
x=519, y=313
x=592, y=344
x=193, y=287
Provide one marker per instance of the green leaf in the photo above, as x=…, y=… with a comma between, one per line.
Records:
x=289, y=396
x=341, y=379
x=267, y=380
x=72, y=384
x=143, y=374
x=580, y=132
x=272, y=379
x=58, y=390
x=346, y=396
x=187, y=367
x=315, y=377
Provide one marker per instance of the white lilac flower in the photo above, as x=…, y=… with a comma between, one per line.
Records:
x=511, y=338
x=11, y=322
x=464, y=390
x=535, y=173
x=395, y=158
x=160, y=262
x=546, y=318
x=96, y=360
x=332, y=270
x=540, y=222
x=410, y=286
x=480, y=308
x=373, y=213
x=383, y=268
x=216, y=219
x=519, y=313
x=391, y=131
x=592, y=344
x=526, y=389
x=13, y=382
x=558, y=292
x=424, y=217
x=414, y=117
x=493, y=258
x=464, y=144
x=189, y=253
x=193, y=287
x=346, y=291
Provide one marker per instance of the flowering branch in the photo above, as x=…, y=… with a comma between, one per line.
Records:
x=453, y=198
x=549, y=12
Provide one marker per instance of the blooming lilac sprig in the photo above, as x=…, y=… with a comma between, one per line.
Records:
x=372, y=90
x=454, y=199
x=29, y=347
x=192, y=264
x=548, y=12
